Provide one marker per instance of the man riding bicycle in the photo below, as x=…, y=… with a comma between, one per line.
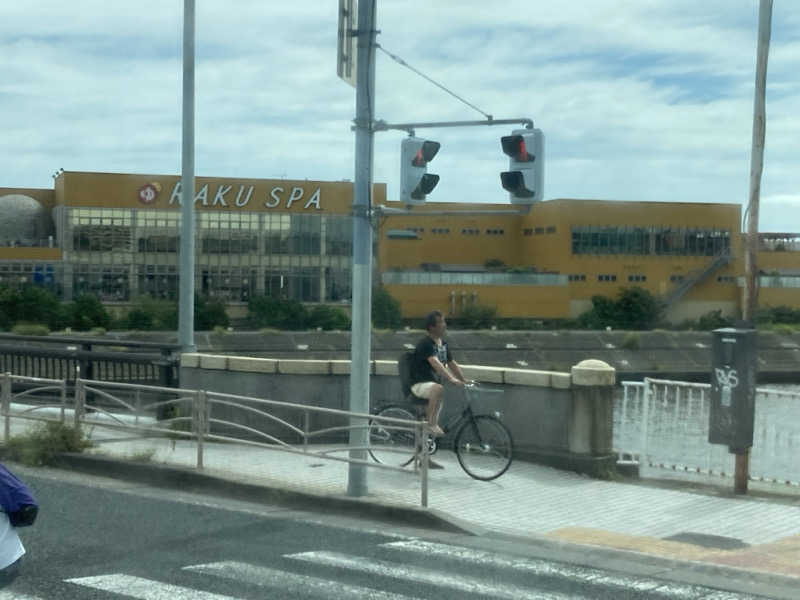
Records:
x=433, y=364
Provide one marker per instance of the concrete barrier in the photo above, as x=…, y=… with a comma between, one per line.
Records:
x=561, y=419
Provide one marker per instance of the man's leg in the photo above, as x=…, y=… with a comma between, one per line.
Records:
x=434, y=407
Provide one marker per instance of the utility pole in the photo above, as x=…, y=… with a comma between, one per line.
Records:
x=360, y=338
x=742, y=469
x=186, y=276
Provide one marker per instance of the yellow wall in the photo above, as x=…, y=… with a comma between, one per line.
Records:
x=547, y=302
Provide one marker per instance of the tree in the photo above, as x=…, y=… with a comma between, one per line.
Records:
x=386, y=313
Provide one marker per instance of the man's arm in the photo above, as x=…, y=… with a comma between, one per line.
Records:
x=453, y=366
x=444, y=372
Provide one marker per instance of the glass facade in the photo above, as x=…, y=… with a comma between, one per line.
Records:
x=121, y=253
x=656, y=241
x=440, y=278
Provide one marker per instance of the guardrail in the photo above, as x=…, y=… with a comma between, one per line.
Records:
x=190, y=415
x=36, y=394
x=70, y=358
x=663, y=424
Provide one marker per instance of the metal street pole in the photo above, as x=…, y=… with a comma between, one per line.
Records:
x=186, y=275
x=742, y=468
x=360, y=337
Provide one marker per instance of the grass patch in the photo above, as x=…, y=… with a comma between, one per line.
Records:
x=631, y=341
x=42, y=444
x=23, y=328
x=143, y=456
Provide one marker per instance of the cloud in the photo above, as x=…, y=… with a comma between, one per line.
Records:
x=639, y=99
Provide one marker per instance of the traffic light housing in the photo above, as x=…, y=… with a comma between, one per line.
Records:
x=415, y=181
x=524, y=179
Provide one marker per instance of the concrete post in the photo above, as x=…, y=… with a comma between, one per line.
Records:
x=590, y=426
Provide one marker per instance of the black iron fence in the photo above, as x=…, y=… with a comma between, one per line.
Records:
x=70, y=358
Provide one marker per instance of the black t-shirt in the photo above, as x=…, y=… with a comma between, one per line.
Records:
x=421, y=369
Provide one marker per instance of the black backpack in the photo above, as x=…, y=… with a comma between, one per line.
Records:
x=404, y=365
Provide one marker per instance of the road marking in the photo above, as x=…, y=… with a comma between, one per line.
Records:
x=144, y=589
x=304, y=585
x=546, y=568
x=461, y=583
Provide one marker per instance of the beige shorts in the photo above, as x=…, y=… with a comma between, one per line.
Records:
x=424, y=389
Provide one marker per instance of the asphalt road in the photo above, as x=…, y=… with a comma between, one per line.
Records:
x=103, y=539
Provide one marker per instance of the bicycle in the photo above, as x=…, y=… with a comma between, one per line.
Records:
x=483, y=444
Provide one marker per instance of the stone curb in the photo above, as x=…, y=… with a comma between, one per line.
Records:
x=190, y=480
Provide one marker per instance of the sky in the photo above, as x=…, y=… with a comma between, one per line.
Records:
x=639, y=100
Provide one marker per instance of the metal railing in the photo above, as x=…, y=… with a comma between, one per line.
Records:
x=35, y=395
x=203, y=417
x=663, y=424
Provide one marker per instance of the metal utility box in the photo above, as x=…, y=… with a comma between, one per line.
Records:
x=733, y=387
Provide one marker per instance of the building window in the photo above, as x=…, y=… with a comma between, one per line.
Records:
x=108, y=282
x=528, y=231
x=550, y=229
x=440, y=230
x=470, y=231
x=606, y=278
x=577, y=277
x=495, y=232
x=539, y=230
x=338, y=235
x=676, y=278
x=657, y=241
x=637, y=278
x=726, y=279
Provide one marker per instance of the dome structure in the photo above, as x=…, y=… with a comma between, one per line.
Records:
x=23, y=221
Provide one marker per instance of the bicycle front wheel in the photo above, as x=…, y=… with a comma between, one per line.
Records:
x=392, y=443
x=484, y=447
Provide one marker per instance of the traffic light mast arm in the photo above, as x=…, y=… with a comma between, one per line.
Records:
x=410, y=127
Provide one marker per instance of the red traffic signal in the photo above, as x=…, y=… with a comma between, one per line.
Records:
x=425, y=153
x=515, y=147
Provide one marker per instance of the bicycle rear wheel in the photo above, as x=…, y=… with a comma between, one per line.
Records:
x=484, y=447
x=392, y=443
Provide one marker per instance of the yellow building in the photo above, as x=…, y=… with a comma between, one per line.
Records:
x=116, y=235
x=549, y=262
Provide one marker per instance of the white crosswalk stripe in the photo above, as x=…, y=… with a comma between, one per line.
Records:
x=144, y=589
x=462, y=583
x=541, y=568
x=291, y=582
x=10, y=595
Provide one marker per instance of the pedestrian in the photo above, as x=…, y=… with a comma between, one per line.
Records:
x=11, y=551
x=433, y=365
x=19, y=509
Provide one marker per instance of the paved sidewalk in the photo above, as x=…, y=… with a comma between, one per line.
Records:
x=756, y=533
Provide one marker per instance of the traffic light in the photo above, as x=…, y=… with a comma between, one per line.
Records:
x=415, y=181
x=524, y=179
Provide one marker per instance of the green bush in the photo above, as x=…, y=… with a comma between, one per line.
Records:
x=23, y=328
x=44, y=443
x=278, y=313
x=713, y=320
x=477, y=316
x=32, y=304
x=631, y=341
x=209, y=313
x=778, y=314
x=88, y=312
x=328, y=318
x=635, y=308
x=386, y=313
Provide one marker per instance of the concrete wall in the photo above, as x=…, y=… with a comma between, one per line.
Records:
x=548, y=421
